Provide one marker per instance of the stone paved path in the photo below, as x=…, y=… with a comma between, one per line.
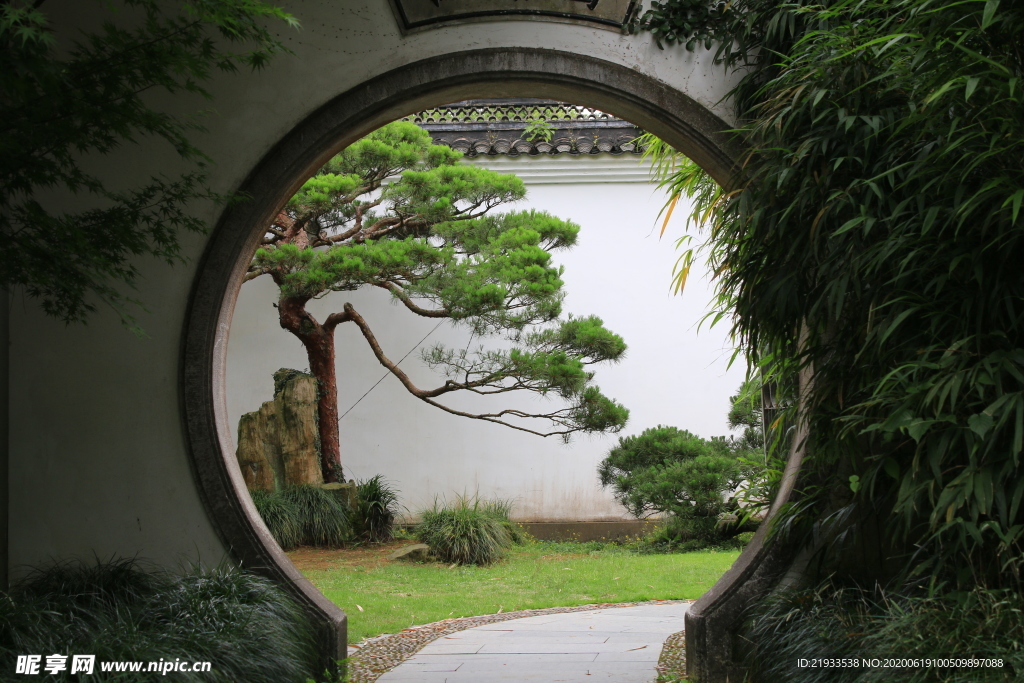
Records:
x=620, y=644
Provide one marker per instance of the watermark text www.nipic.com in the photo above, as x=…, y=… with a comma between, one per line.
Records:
x=34, y=665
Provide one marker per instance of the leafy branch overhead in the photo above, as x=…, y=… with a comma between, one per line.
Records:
x=63, y=99
x=396, y=212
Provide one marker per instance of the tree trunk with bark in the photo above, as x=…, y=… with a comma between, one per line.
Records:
x=318, y=340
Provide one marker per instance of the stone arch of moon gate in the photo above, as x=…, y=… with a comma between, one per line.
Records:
x=491, y=72
x=139, y=465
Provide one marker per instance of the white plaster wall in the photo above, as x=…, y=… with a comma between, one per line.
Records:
x=98, y=458
x=673, y=373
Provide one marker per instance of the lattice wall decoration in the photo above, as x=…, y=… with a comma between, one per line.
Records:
x=524, y=113
x=514, y=127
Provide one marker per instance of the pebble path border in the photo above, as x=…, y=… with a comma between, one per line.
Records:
x=376, y=656
x=672, y=662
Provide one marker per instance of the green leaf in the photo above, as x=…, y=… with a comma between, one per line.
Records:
x=1015, y=199
x=972, y=84
x=892, y=468
x=980, y=424
x=929, y=218
x=983, y=489
x=989, y=14
x=917, y=429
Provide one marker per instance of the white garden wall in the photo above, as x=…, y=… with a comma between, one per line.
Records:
x=673, y=373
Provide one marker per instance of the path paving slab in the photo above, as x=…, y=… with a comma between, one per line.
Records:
x=619, y=644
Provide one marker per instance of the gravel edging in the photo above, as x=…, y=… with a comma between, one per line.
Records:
x=376, y=656
x=672, y=662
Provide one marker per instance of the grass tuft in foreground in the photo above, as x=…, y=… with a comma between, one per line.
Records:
x=240, y=622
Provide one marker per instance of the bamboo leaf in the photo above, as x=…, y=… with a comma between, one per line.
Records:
x=972, y=84
x=989, y=15
x=1016, y=199
x=895, y=323
x=668, y=213
x=919, y=428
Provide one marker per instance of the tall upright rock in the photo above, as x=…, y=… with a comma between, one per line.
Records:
x=279, y=444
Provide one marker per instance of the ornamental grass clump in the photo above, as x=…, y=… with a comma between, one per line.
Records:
x=239, y=622
x=374, y=517
x=467, y=531
x=323, y=519
x=501, y=510
x=281, y=517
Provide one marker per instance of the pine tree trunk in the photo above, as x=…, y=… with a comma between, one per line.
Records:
x=321, y=366
x=319, y=343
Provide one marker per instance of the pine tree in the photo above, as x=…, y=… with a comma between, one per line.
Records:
x=395, y=211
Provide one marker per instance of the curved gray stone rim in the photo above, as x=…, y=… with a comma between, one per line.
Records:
x=463, y=75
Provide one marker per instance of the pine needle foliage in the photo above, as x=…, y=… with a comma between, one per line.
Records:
x=245, y=626
x=878, y=219
x=669, y=471
x=466, y=531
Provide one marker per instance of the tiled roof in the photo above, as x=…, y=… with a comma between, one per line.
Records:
x=513, y=127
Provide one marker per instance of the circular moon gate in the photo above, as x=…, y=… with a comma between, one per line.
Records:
x=498, y=72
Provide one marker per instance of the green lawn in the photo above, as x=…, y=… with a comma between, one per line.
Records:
x=381, y=596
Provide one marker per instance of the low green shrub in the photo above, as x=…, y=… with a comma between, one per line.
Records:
x=688, y=534
x=281, y=516
x=244, y=625
x=323, y=519
x=669, y=471
x=744, y=538
x=833, y=622
x=468, y=531
x=374, y=517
